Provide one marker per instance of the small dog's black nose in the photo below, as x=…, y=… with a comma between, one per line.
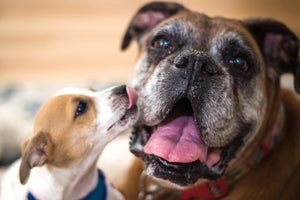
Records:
x=120, y=90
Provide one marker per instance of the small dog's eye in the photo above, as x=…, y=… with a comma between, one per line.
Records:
x=162, y=43
x=81, y=108
x=239, y=63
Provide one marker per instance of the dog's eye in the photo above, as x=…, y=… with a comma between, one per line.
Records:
x=239, y=63
x=162, y=43
x=81, y=108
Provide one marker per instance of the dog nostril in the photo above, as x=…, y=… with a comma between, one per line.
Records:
x=209, y=69
x=120, y=90
x=181, y=62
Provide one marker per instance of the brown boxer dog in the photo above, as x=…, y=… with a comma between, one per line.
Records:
x=214, y=122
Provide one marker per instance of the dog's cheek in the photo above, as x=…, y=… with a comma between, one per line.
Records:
x=253, y=105
x=107, y=110
x=160, y=92
x=149, y=103
x=145, y=82
x=238, y=114
x=218, y=122
x=74, y=149
x=139, y=72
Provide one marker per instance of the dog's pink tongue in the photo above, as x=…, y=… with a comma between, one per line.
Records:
x=132, y=95
x=178, y=141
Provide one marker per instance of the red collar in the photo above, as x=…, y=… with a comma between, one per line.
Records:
x=218, y=188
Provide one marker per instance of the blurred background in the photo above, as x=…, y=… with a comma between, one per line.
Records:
x=52, y=40
x=49, y=44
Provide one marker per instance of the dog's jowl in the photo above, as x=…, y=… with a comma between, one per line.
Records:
x=213, y=119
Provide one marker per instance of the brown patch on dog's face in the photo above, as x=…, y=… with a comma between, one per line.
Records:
x=209, y=73
x=71, y=127
x=63, y=134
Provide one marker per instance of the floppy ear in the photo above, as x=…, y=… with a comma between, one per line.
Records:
x=147, y=17
x=35, y=152
x=279, y=46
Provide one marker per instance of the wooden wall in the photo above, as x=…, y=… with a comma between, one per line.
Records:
x=50, y=40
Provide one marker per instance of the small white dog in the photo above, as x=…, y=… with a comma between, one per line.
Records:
x=70, y=132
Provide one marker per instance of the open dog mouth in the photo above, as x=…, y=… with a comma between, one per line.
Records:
x=181, y=139
x=175, y=150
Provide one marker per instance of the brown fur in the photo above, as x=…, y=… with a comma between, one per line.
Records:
x=67, y=141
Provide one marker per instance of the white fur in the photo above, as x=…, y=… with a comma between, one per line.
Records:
x=49, y=182
x=80, y=91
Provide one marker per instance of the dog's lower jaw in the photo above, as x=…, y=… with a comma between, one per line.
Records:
x=182, y=176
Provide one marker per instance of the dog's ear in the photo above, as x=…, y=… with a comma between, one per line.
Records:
x=147, y=17
x=35, y=152
x=279, y=46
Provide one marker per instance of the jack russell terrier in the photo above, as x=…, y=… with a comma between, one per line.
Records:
x=70, y=132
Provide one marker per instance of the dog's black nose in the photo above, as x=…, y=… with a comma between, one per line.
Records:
x=195, y=61
x=185, y=58
x=120, y=90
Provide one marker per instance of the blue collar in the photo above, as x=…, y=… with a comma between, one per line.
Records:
x=99, y=193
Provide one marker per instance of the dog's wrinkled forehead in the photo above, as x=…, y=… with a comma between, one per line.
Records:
x=198, y=31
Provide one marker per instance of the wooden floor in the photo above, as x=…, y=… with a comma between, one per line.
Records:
x=52, y=40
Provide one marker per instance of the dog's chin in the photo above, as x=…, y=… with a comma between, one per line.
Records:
x=188, y=171
x=130, y=117
x=127, y=119
x=181, y=174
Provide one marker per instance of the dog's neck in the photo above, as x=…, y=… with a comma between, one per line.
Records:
x=74, y=182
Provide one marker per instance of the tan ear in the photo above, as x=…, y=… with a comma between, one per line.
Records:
x=35, y=152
